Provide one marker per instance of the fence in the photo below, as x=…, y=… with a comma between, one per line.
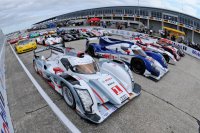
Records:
x=5, y=120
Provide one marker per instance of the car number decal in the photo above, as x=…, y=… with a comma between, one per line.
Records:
x=117, y=90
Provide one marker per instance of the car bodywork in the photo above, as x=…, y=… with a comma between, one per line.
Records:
x=155, y=43
x=102, y=31
x=169, y=43
x=33, y=35
x=13, y=41
x=152, y=64
x=25, y=46
x=49, y=40
x=148, y=47
x=97, y=90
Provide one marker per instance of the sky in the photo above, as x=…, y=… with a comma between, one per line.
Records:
x=21, y=14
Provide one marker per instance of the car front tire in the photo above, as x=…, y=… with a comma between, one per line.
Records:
x=68, y=97
x=138, y=66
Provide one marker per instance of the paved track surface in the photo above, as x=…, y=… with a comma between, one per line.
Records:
x=170, y=105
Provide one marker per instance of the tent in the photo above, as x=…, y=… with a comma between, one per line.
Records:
x=94, y=20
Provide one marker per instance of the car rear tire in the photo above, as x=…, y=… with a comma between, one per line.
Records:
x=91, y=51
x=138, y=66
x=68, y=97
x=166, y=58
x=180, y=53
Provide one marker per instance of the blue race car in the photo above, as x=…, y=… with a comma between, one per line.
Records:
x=146, y=63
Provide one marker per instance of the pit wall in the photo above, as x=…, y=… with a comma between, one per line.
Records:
x=5, y=120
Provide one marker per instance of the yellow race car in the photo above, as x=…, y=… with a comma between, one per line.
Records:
x=25, y=46
x=52, y=32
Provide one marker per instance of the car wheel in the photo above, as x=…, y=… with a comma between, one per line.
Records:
x=180, y=52
x=68, y=96
x=91, y=51
x=35, y=66
x=166, y=58
x=138, y=66
x=43, y=42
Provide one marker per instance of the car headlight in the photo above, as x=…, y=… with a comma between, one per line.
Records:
x=86, y=99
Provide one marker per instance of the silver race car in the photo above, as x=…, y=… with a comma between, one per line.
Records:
x=94, y=89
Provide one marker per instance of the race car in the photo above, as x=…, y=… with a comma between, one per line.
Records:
x=42, y=33
x=25, y=46
x=147, y=63
x=51, y=32
x=13, y=41
x=34, y=35
x=23, y=36
x=96, y=33
x=87, y=32
x=148, y=47
x=169, y=43
x=94, y=90
x=49, y=40
x=170, y=49
x=155, y=43
x=65, y=38
x=102, y=31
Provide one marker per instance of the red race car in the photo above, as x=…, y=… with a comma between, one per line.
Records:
x=14, y=40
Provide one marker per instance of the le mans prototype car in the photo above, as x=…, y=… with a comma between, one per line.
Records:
x=25, y=46
x=49, y=40
x=148, y=47
x=146, y=63
x=94, y=89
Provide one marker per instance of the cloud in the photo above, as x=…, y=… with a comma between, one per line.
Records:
x=19, y=14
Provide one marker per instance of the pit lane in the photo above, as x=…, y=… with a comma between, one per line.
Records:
x=169, y=105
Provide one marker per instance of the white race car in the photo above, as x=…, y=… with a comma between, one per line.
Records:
x=103, y=32
x=49, y=40
x=94, y=89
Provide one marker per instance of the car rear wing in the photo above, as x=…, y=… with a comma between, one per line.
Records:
x=58, y=48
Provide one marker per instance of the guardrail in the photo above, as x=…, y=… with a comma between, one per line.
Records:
x=5, y=120
x=188, y=50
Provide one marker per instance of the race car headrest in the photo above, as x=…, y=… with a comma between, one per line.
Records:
x=57, y=70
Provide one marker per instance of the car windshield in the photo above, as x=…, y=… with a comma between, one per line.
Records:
x=139, y=52
x=24, y=42
x=90, y=68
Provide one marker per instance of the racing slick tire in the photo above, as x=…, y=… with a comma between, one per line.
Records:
x=166, y=58
x=90, y=51
x=43, y=42
x=138, y=66
x=180, y=53
x=68, y=97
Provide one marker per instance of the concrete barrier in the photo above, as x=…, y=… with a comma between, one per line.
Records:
x=5, y=120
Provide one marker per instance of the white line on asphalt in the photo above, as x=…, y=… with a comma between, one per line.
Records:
x=55, y=109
